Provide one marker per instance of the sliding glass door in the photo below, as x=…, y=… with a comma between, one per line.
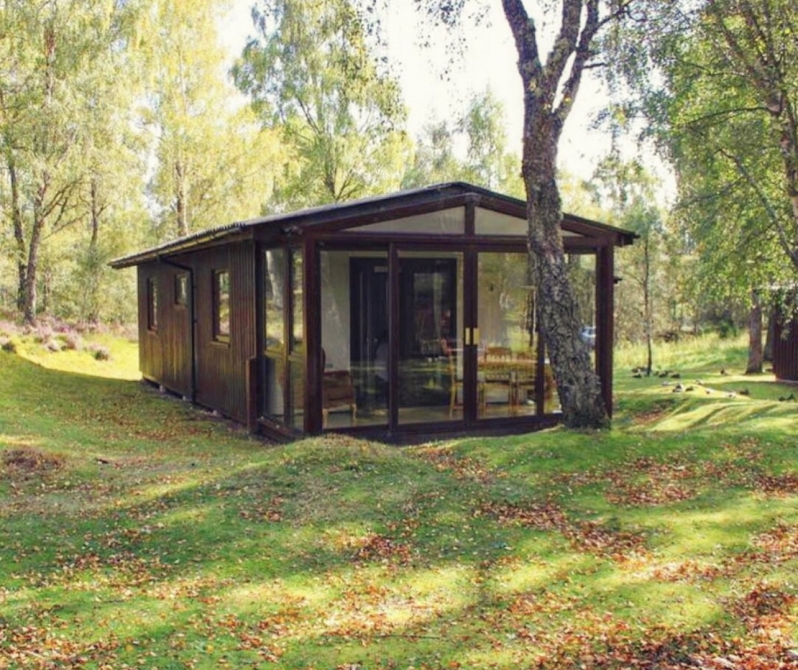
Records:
x=430, y=310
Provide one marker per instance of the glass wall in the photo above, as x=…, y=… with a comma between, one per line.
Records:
x=296, y=352
x=582, y=273
x=507, y=361
x=430, y=337
x=274, y=266
x=354, y=338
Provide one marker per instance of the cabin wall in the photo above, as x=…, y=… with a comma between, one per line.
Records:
x=221, y=366
x=785, y=348
x=165, y=350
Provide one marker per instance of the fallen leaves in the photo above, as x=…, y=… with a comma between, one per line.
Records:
x=591, y=536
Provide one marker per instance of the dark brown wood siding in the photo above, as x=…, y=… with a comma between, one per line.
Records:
x=164, y=351
x=222, y=365
x=785, y=348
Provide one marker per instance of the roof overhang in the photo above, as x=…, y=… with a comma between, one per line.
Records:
x=368, y=210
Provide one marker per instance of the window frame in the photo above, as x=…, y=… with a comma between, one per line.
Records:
x=153, y=299
x=220, y=301
x=181, y=289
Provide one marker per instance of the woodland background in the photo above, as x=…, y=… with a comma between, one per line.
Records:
x=123, y=125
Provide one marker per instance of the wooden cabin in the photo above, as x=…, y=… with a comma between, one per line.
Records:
x=392, y=316
x=785, y=341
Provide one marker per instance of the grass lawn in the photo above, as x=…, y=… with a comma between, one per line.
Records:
x=138, y=532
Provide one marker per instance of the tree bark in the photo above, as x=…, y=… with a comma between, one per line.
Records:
x=19, y=234
x=755, y=353
x=578, y=385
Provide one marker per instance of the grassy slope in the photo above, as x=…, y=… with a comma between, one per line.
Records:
x=138, y=532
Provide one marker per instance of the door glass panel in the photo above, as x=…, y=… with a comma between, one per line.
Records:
x=297, y=304
x=508, y=373
x=354, y=338
x=582, y=273
x=430, y=337
x=274, y=277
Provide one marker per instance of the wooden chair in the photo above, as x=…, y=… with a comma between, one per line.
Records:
x=496, y=374
x=337, y=392
x=455, y=379
x=524, y=380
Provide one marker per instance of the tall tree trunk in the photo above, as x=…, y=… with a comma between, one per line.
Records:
x=181, y=199
x=578, y=385
x=19, y=233
x=29, y=306
x=755, y=353
x=546, y=106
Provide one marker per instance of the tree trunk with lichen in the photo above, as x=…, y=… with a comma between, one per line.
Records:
x=549, y=91
x=578, y=385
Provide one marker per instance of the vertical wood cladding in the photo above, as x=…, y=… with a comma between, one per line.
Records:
x=785, y=348
x=165, y=353
x=222, y=365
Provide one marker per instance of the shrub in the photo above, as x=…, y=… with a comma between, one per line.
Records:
x=8, y=345
x=100, y=352
x=71, y=340
x=52, y=345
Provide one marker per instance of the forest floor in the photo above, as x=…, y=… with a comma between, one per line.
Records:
x=139, y=532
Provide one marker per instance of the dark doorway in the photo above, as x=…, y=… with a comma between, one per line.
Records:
x=369, y=332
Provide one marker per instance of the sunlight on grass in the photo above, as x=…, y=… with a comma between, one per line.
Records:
x=165, y=539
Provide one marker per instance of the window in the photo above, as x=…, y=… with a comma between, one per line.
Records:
x=152, y=303
x=297, y=302
x=181, y=290
x=221, y=305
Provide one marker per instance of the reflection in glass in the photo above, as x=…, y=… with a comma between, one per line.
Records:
x=297, y=322
x=274, y=401
x=221, y=305
x=273, y=291
x=507, y=365
x=297, y=377
x=354, y=338
x=582, y=273
x=430, y=345
x=274, y=324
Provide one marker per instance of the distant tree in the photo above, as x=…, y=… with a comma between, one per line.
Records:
x=485, y=160
x=49, y=56
x=723, y=110
x=628, y=191
x=213, y=164
x=310, y=74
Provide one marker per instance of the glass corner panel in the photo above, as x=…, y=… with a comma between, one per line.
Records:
x=297, y=301
x=274, y=292
x=508, y=372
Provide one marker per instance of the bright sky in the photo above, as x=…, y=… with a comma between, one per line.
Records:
x=489, y=61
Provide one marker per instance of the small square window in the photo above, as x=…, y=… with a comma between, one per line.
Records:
x=152, y=303
x=181, y=290
x=221, y=305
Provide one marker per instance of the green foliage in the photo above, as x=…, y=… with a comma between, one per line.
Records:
x=721, y=107
x=486, y=161
x=311, y=75
x=214, y=164
x=139, y=528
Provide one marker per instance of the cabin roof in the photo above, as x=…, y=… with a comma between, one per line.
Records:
x=374, y=207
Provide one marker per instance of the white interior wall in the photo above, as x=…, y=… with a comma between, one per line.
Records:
x=335, y=309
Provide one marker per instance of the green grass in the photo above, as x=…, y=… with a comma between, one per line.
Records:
x=139, y=532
